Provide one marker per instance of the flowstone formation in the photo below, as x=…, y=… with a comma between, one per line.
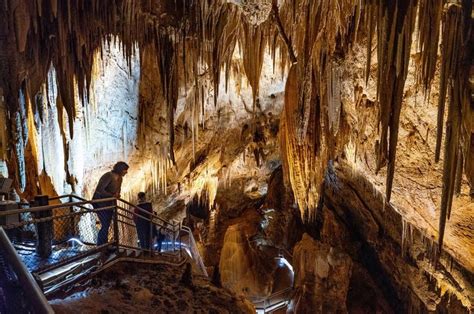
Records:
x=194, y=41
x=337, y=136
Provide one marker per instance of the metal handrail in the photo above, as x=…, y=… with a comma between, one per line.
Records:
x=126, y=214
x=66, y=196
x=193, y=246
x=54, y=206
x=283, y=291
x=37, y=297
x=267, y=301
x=39, y=220
x=109, y=199
x=164, y=222
x=152, y=215
x=85, y=202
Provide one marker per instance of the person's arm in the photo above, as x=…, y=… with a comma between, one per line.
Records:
x=104, y=181
x=118, y=194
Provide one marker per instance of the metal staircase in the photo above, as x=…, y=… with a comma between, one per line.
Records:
x=54, y=246
x=65, y=229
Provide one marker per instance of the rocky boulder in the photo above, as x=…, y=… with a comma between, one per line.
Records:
x=323, y=274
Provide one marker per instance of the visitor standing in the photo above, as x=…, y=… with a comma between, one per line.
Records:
x=146, y=230
x=109, y=186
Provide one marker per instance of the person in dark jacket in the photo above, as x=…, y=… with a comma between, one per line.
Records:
x=142, y=221
x=109, y=186
x=146, y=230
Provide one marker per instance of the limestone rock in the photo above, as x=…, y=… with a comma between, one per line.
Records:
x=322, y=279
x=239, y=264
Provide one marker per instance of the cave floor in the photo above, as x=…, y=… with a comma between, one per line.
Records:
x=142, y=288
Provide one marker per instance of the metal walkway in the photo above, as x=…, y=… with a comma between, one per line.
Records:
x=53, y=247
x=274, y=302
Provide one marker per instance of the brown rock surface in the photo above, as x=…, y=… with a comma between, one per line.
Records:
x=322, y=278
x=398, y=256
x=142, y=288
x=241, y=266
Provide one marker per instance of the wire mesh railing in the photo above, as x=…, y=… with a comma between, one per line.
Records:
x=152, y=233
x=48, y=236
x=57, y=238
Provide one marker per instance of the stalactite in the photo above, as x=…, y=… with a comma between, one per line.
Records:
x=370, y=16
x=253, y=44
x=429, y=19
x=312, y=96
x=451, y=71
x=305, y=159
x=334, y=96
x=218, y=26
x=449, y=61
x=167, y=65
x=281, y=30
x=395, y=24
x=22, y=25
x=154, y=114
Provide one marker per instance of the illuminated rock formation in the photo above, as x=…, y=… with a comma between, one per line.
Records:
x=367, y=106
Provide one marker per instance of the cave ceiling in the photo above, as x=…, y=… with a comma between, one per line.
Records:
x=192, y=39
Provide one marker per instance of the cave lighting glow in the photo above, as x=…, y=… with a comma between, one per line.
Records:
x=284, y=262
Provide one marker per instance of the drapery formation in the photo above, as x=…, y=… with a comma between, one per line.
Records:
x=193, y=41
x=310, y=122
x=392, y=24
x=38, y=35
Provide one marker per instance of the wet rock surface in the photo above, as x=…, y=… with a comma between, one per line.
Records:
x=145, y=288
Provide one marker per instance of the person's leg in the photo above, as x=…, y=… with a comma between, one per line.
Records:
x=105, y=218
x=154, y=236
x=149, y=234
x=141, y=230
x=161, y=237
x=146, y=234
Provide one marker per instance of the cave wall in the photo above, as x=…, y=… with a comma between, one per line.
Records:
x=401, y=259
x=215, y=148
x=3, y=136
x=105, y=129
x=418, y=180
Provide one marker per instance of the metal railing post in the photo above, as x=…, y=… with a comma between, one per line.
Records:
x=150, y=239
x=27, y=281
x=44, y=229
x=180, y=241
x=116, y=228
x=72, y=221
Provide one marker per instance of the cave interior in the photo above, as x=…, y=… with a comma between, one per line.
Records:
x=325, y=147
